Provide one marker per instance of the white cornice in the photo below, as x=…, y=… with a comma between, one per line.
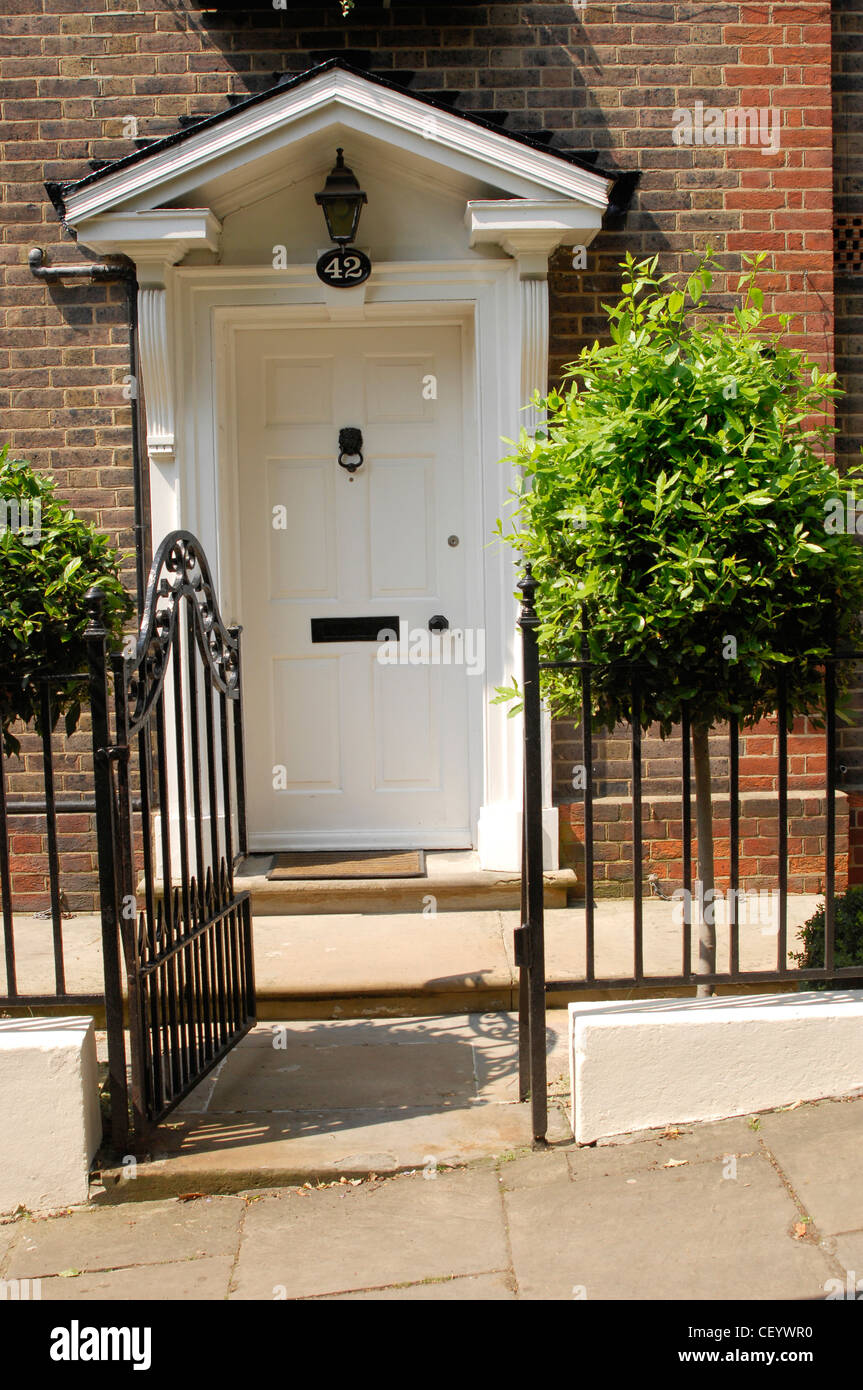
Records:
x=395, y=117
x=161, y=237
x=530, y=229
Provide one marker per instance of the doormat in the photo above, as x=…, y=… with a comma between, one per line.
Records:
x=337, y=863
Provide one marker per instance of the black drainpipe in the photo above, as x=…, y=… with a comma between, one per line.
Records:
x=107, y=271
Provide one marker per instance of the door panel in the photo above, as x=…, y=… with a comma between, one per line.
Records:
x=402, y=555
x=408, y=750
x=342, y=749
x=303, y=554
x=306, y=696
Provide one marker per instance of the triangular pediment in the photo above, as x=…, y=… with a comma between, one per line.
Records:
x=286, y=136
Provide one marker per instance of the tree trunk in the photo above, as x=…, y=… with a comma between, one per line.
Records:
x=704, y=913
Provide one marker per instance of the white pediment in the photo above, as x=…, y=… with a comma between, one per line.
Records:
x=281, y=146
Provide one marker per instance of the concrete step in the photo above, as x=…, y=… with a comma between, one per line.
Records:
x=453, y=883
x=363, y=965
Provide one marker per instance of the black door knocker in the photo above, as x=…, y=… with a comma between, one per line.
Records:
x=351, y=448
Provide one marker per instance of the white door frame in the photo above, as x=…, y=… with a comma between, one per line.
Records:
x=193, y=488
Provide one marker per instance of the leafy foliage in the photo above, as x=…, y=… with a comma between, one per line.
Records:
x=676, y=499
x=847, y=936
x=44, y=575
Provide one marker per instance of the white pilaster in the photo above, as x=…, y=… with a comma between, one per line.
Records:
x=534, y=346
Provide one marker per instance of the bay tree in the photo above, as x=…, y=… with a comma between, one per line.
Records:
x=49, y=558
x=679, y=511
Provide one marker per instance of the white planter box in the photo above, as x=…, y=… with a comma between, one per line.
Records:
x=644, y=1064
x=50, y=1125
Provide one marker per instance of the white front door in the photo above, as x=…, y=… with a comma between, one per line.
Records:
x=345, y=749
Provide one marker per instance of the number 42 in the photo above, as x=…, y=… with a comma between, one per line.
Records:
x=349, y=268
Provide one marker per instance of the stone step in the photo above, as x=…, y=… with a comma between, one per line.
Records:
x=452, y=884
x=385, y=964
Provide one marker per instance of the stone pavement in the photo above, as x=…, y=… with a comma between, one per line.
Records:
x=312, y=1101
x=769, y=1208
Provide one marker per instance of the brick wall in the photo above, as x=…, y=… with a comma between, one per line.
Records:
x=76, y=830
x=662, y=759
x=605, y=80
x=662, y=843
x=28, y=861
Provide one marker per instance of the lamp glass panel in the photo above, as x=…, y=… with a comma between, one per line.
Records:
x=340, y=216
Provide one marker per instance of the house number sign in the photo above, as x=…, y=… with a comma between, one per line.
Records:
x=343, y=266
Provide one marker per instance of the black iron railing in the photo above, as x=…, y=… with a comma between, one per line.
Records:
x=20, y=987
x=530, y=949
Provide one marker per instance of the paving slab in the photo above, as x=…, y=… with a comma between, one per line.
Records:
x=133, y=1234
x=820, y=1147
x=229, y=1155
x=678, y=1233
x=395, y=1232
x=206, y=1278
x=537, y=1169
x=34, y=955
x=847, y=1249
x=466, y=1288
x=367, y=1076
x=8, y=1236
x=700, y=1143
x=350, y=1064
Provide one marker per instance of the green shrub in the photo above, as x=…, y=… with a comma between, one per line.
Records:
x=674, y=511
x=49, y=558
x=847, y=941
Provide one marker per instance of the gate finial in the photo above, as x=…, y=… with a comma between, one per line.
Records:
x=95, y=601
x=528, y=587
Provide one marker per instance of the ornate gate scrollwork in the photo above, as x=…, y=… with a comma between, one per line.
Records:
x=185, y=932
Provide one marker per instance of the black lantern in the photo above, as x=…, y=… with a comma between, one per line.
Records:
x=341, y=199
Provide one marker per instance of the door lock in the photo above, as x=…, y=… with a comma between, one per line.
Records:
x=438, y=623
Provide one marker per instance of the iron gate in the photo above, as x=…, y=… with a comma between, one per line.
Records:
x=169, y=906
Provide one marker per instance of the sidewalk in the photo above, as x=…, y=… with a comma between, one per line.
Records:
x=764, y=1209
